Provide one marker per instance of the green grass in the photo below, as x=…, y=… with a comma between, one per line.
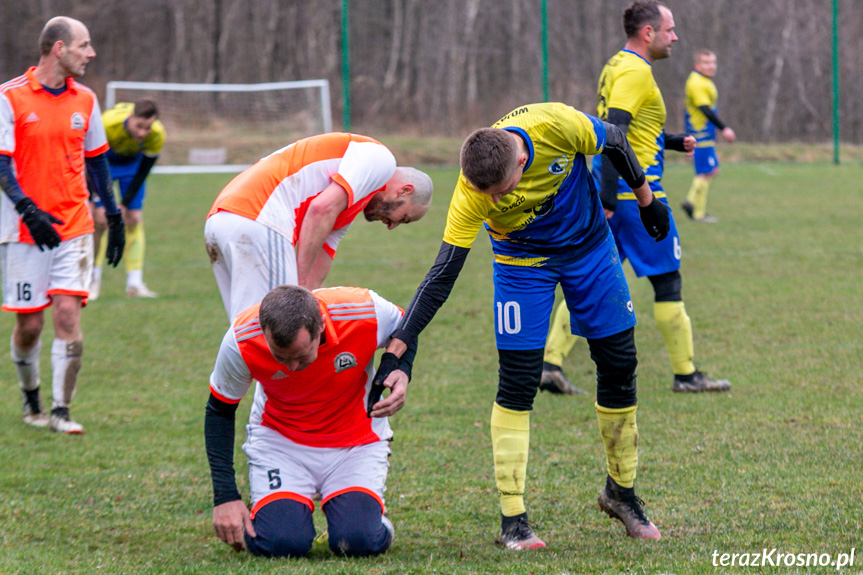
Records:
x=775, y=300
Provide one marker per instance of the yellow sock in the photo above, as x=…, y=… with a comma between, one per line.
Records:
x=699, y=202
x=510, y=439
x=676, y=329
x=690, y=195
x=560, y=339
x=619, y=433
x=100, y=253
x=134, y=252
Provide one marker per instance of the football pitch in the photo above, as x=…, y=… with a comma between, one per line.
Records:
x=771, y=468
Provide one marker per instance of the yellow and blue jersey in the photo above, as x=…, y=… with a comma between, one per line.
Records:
x=627, y=83
x=124, y=145
x=700, y=91
x=555, y=205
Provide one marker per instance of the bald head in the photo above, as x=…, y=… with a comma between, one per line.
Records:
x=66, y=51
x=404, y=199
x=58, y=29
x=422, y=183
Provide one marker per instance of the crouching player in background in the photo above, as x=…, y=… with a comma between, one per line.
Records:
x=309, y=432
x=135, y=136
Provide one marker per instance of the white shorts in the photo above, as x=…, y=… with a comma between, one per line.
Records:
x=31, y=276
x=248, y=259
x=282, y=469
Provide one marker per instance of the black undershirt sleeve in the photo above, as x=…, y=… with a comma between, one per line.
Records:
x=100, y=179
x=8, y=181
x=622, y=156
x=432, y=292
x=675, y=142
x=406, y=361
x=608, y=174
x=219, y=439
x=711, y=115
x=144, y=168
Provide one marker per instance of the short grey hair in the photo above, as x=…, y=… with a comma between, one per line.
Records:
x=422, y=183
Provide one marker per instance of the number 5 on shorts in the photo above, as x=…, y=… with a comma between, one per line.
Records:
x=275, y=480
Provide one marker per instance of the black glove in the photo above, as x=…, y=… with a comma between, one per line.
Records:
x=40, y=224
x=389, y=363
x=116, y=239
x=654, y=217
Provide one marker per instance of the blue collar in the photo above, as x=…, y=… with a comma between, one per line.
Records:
x=55, y=91
x=639, y=55
x=527, y=141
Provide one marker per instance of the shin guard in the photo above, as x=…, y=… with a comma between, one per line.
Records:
x=676, y=329
x=619, y=433
x=510, y=437
x=65, y=364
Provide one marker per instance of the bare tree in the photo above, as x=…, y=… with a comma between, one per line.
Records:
x=445, y=67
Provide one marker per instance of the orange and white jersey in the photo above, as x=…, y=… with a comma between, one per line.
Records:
x=48, y=137
x=323, y=405
x=277, y=190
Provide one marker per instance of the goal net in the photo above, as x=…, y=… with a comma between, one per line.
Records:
x=226, y=127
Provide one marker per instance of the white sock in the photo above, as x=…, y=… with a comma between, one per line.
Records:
x=65, y=364
x=134, y=278
x=97, y=273
x=27, y=365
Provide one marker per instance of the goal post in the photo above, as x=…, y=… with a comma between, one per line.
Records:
x=213, y=128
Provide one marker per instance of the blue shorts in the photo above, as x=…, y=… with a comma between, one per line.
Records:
x=594, y=287
x=123, y=172
x=648, y=258
x=705, y=160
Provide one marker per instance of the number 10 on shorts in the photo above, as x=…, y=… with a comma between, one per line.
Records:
x=508, y=317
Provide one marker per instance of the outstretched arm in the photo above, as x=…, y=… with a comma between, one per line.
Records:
x=318, y=223
x=430, y=295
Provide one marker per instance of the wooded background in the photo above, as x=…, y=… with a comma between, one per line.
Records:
x=444, y=67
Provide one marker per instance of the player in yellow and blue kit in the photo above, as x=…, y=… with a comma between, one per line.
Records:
x=630, y=99
x=135, y=137
x=702, y=121
x=526, y=181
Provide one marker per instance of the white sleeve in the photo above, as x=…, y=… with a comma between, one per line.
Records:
x=95, y=137
x=389, y=315
x=7, y=126
x=366, y=167
x=335, y=237
x=9, y=223
x=231, y=377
